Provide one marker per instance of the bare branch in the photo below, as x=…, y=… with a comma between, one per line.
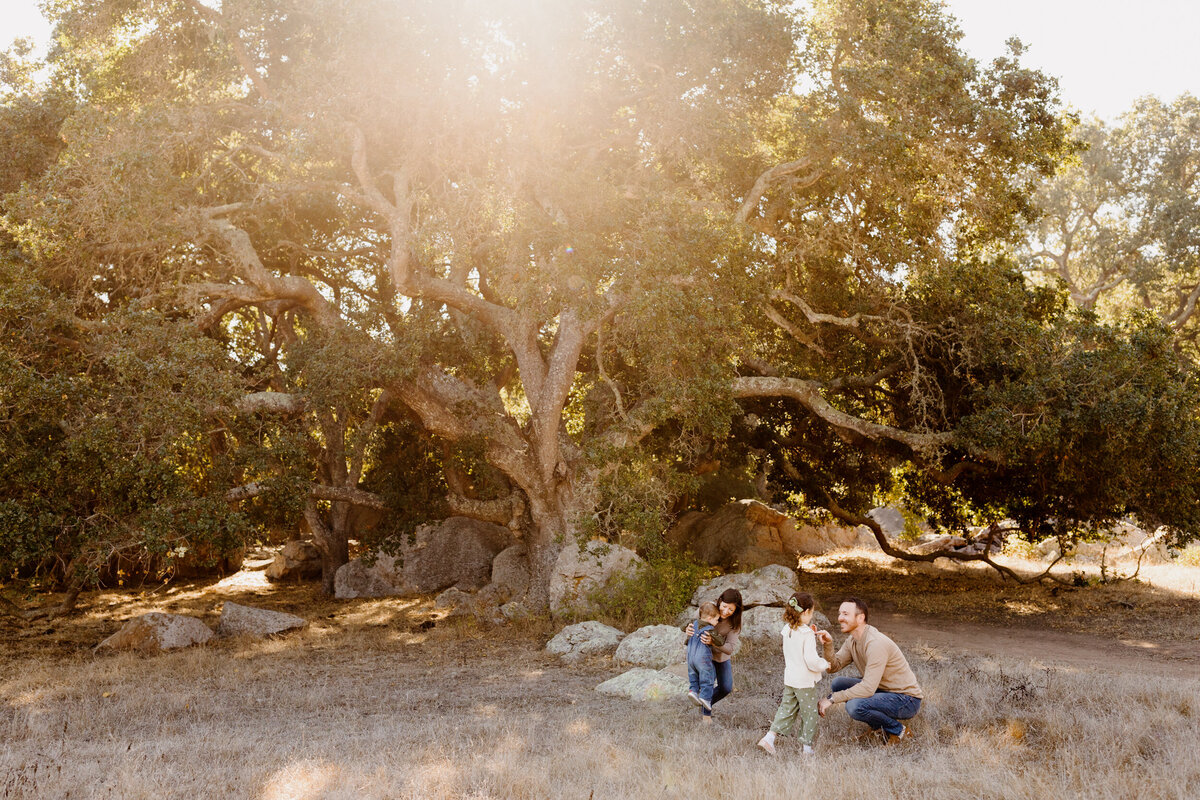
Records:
x=1186, y=309
x=362, y=171
x=763, y=183
x=347, y=494
x=505, y=511
x=816, y=318
x=638, y=424
x=251, y=269
x=316, y=491
x=863, y=381
x=364, y=434
x=797, y=334
x=455, y=409
x=604, y=374
x=548, y=402
x=807, y=394
x=270, y=403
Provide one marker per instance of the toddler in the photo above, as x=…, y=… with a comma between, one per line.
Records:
x=702, y=675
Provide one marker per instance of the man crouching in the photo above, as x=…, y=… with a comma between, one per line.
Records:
x=887, y=692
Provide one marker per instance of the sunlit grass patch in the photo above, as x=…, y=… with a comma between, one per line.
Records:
x=495, y=717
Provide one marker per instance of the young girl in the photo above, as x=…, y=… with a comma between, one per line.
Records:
x=803, y=667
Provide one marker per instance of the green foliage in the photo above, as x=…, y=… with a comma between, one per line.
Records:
x=1071, y=424
x=1189, y=556
x=656, y=592
x=105, y=430
x=407, y=472
x=1120, y=229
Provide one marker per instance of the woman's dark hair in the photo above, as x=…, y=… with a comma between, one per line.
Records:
x=735, y=597
x=790, y=615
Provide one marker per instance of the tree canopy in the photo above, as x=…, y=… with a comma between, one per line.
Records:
x=553, y=263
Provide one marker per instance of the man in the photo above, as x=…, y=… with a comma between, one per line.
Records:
x=887, y=692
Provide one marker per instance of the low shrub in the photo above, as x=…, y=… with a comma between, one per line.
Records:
x=653, y=594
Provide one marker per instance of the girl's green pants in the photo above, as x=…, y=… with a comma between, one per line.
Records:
x=800, y=703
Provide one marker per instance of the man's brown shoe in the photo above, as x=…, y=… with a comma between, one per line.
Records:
x=870, y=736
x=904, y=736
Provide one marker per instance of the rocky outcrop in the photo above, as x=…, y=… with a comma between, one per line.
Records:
x=486, y=605
x=510, y=570
x=357, y=578
x=765, y=592
x=745, y=533
x=516, y=610
x=685, y=529
x=458, y=552
x=890, y=519
x=452, y=599
x=156, y=632
x=765, y=622
x=581, y=571
x=502, y=600
x=644, y=684
x=298, y=560
x=239, y=620
x=769, y=585
x=654, y=646
x=813, y=539
x=584, y=639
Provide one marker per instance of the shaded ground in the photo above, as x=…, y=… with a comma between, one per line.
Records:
x=971, y=605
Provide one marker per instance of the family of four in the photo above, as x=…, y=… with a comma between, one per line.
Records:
x=885, y=695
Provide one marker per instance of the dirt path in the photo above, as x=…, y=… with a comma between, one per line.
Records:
x=1044, y=646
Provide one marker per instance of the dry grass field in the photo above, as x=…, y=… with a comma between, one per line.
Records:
x=371, y=702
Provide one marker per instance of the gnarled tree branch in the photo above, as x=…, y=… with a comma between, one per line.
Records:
x=316, y=491
x=750, y=204
x=807, y=393
x=505, y=511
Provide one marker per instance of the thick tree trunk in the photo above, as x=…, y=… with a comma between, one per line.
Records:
x=332, y=539
x=553, y=514
x=332, y=559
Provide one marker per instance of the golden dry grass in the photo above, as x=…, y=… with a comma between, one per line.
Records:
x=366, y=703
x=382, y=713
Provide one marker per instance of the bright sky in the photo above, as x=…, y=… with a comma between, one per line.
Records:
x=1105, y=53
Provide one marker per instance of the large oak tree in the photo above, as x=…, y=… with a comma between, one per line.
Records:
x=569, y=239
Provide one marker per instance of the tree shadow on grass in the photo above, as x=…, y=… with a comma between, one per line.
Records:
x=1162, y=606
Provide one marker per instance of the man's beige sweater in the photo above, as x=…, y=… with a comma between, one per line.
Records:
x=884, y=668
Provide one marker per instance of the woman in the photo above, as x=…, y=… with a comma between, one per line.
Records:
x=730, y=625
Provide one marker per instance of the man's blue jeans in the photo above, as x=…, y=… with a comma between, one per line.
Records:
x=880, y=710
